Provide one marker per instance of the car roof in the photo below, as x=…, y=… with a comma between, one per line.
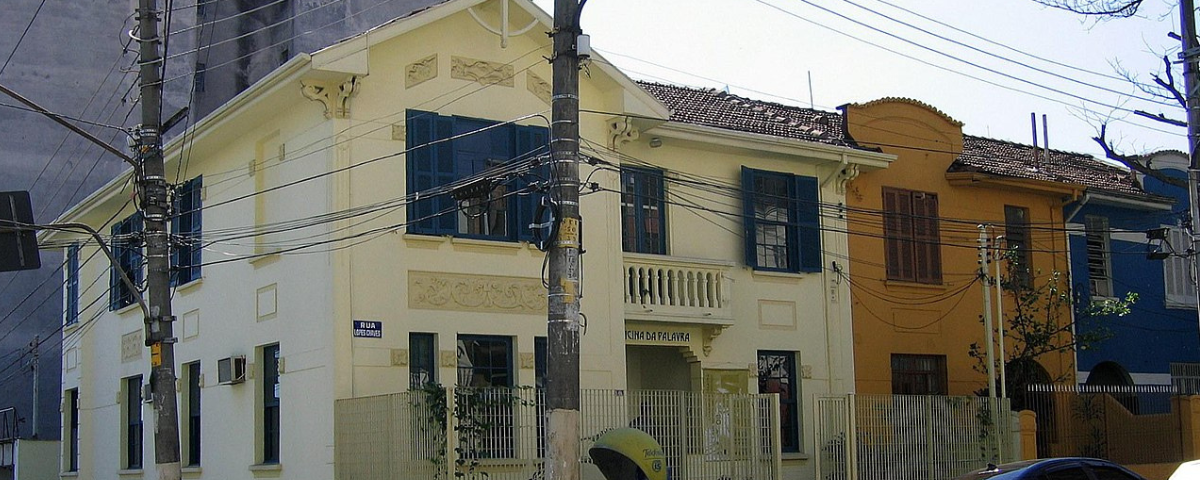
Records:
x=1033, y=467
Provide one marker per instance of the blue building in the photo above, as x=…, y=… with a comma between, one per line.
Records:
x=1126, y=236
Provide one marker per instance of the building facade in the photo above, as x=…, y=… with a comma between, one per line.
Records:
x=915, y=249
x=1129, y=237
x=334, y=240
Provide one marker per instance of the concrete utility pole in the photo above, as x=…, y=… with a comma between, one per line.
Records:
x=155, y=203
x=562, y=389
x=1191, y=81
x=989, y=328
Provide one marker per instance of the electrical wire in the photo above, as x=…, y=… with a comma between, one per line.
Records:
x=22, y=37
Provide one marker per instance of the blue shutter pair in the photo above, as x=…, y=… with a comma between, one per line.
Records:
x=442, y=163
x=804, y=221
x=186, y=227
x=129, y=258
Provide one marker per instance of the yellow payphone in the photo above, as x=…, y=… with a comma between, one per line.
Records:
x=629, y=454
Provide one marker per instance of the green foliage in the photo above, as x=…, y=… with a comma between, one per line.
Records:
x=478, y=412
x=1038, y=322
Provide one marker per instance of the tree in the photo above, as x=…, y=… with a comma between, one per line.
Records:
x=1038, y=322
x=1162, y=86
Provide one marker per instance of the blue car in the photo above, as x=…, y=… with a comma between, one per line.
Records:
x=1054, y=469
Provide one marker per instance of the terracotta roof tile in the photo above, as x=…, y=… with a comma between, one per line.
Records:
x=715, y=108
x=999, y=157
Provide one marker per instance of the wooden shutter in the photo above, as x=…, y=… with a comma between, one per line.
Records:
x=927, y=255
x=808, y=223
x=898, y=234
x=748, y=223
x=1177, y=271
x=428, y=167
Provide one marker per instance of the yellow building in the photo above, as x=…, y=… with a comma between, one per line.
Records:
x=332, y=262
x=914, y=241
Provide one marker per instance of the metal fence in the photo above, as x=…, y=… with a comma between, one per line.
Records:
x=500, y=433
x=901, y=437
x=1126, y=424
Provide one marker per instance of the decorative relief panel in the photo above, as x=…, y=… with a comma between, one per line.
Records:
x=131, y=346
x=475, y=293
x=540, y=88
x=481, y=71
x=421, y=71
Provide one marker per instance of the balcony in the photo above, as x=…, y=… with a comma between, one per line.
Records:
x=676, y=289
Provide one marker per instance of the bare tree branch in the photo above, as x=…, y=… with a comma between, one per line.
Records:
x=1135, y=162
x=1097, y=8
x=1160, y=118
x=1169, y=85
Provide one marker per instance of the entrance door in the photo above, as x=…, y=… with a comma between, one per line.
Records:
x=657, y=368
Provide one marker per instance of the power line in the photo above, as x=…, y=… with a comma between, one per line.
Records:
x=22, y=37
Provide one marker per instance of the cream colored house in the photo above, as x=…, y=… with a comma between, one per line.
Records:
x=316, y=227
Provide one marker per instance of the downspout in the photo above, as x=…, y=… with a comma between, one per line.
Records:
x=1070, y=217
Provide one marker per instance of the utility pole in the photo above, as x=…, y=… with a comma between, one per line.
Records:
x=155, y=202
x=988, y=334
x=1191, y=81
x=562, y=389
x=34, y=346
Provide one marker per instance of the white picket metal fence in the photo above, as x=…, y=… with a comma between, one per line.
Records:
x=500, y=433
x=911, y=437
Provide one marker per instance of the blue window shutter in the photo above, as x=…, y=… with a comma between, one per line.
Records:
x=177, y=245
x=531, y=142
x=444, y=174
x=115, y=286
x=808, y=208
x=429, y=166
x=748, y=217
x=194, y=240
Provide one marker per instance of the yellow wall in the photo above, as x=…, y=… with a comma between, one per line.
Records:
x=907, y=318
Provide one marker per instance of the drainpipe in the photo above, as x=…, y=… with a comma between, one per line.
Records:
x=1071, y=284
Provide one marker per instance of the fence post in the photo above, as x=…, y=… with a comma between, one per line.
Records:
x=1029, y=433
x=452, y=439
x=851, y=437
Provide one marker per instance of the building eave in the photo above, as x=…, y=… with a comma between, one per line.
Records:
x=971, y=179
x=773, y=144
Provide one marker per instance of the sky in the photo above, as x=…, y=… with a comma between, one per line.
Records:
x=1016, y=58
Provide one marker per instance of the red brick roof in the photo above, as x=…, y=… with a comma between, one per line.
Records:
x=719, y=109
x=715, y=108
x=999, y=157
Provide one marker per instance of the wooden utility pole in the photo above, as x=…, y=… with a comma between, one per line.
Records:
x=562, y=389
x=154, y=201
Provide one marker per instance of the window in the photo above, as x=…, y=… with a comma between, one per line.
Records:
x=449, y=148
x=911, y=236
x=1098, y=260
x=270, y=404
x=127, y=249
x=1016, y=233
x=72, y=422
x=198, y=78
x=422, y=349
x=71, y=310
x=133, y=423
x=783, y=228
x=485, y=364
x=1110, y=473
x=1177, y=271
x=777, y=374
x=484, y=361
x=919, y=375
x=192, y=408
x=185, y=233
x=643, y=212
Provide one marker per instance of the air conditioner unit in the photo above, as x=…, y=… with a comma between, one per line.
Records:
x=147, y=393
x=231, y=370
